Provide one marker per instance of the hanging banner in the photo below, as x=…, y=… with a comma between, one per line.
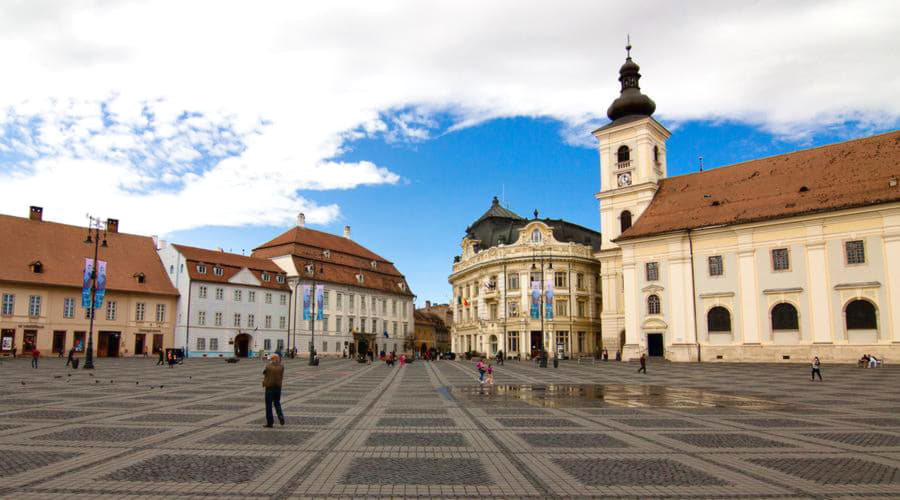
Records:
x=548, y=308
x=535, y=299
x=86, y=284
x=306, y=312
x=101, y=284
x=320, y=302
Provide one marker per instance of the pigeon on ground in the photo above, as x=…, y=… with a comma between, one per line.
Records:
x=23, y=382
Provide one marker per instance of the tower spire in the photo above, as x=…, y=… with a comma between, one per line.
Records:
x=630, y=101
x=628, y=46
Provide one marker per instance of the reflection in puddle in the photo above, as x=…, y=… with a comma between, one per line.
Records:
x=597, y=395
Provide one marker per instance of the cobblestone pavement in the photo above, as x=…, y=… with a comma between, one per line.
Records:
x=130, y=428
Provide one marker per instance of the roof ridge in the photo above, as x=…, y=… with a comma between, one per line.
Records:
x=796, y=151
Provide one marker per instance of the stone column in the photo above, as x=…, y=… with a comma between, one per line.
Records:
x=890, y=315
x=749, y=300
x=819, y=296
x=633, y=345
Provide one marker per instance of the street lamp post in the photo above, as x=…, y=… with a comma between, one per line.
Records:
x=95, y=224
x=541, y=301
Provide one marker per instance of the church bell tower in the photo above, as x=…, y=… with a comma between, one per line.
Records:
x=632, y=155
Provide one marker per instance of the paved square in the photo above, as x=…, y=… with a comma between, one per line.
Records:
x=428, y=429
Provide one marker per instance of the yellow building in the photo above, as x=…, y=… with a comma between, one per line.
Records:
x=526, y=285
x=41, y=280
x=777, y=259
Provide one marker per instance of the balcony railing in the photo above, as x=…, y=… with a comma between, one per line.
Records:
x=622, y=165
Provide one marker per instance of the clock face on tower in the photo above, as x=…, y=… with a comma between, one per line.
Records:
x=624, y=179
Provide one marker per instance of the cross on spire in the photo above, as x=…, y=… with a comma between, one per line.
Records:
x=628, y=46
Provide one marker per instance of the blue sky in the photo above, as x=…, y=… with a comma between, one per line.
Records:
x=402, y=118
x=448, y=182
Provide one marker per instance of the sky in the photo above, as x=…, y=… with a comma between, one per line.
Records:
x=216, y=123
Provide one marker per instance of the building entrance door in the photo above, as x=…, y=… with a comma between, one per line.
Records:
x=59, y=341
x=242, y=345
x=655, y=344
x=108, y=344
x=157, y=343
x=140, y=343
x=537, y=343
x=29, y=340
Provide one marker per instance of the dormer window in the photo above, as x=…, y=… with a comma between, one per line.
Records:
x=201, y=268
x=402, y=285
x=359, y=278
x=309, y=269
x=326, y=253
x=374, y=264
x=218, y=271
x=36, y=267
x=536, y=236
x=140, y=277
x=279, y=279
x=266, y=277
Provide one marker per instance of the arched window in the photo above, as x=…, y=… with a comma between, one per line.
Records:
x=536, y=236
x=656, y=154
x=493, y=345
x=623, y=154
x=784, y=317
x=625, y=220
x=861, y=315
x=718, y=319
x=653, y=304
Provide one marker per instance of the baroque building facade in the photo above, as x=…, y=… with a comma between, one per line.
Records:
x=777, y=259
x=42, y=267
x=366, y=302
x=230, y=305
x=510, y=270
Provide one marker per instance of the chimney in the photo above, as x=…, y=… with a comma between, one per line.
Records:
x=347, y=232
x=162, y=244
x=301, y=220
x=112, y=225
x=427, y=304
x=37, y=213
x=155, y=241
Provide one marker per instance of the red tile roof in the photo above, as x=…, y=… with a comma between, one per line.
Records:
x=837, y=176
x=61, y=250
x=347, y=259
x=231, y=264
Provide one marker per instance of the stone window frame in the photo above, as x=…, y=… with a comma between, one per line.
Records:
x=651, y=271
x=861, y=252
x=787, y=254
x=710, y=266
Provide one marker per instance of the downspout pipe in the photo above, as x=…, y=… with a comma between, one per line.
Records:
x=694, y=294
x=187, y=336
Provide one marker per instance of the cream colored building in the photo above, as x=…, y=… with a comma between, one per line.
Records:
x=40, y=290
x=778, y=259
x=502, y=256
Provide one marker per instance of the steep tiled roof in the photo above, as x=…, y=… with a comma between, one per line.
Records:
x=838, y=176
x=345, y=261
x=61, y=250
x=231, y=264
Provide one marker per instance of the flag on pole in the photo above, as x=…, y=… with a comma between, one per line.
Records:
x=86, y=286
x=101, y=284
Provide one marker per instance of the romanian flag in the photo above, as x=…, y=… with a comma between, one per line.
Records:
x=465, y=302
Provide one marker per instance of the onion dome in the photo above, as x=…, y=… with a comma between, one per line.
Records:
x=631, y=102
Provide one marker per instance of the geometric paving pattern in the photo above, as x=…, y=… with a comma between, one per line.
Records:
x=833, y=470
x=683, y=430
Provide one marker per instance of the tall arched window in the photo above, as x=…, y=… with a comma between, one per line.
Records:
x=536, y=236
x=653, y=304
x=718, y=319
x=625, y=220
x=860, y=315
x=784, y=317
x=623, y=154
x=656, y=154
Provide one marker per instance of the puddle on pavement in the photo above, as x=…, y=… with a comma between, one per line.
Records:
x=599, y=395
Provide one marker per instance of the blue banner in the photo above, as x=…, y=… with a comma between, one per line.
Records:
x=100, y=292
x=306, y=311
x=320, y=302
x=86, y=286
x=548, y=305
x=535, y=299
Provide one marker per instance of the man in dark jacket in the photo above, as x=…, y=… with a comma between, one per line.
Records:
x=272, y=377
x=71, y=359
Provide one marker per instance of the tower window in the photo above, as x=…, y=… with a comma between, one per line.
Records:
x=623, y=154
x=656, y=154
x=625, y=220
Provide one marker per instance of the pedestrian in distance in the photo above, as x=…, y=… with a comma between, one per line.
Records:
x=71, y=358
x=14, y=350
x=162, y=358
x=35, y=356
x=171, y=357
x=480, y=367
x=273, y=375
x=643, y=368
x=816, y=370
x=490, y=374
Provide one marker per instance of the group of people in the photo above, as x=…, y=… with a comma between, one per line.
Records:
x=391, y=359
x=485, y=372
x=868, y=361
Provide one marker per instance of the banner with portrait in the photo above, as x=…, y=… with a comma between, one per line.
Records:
x=320, y=302
x=548, y=293
x=535, y=299
x=306, y=298
x=86, y=283
x=101, y=284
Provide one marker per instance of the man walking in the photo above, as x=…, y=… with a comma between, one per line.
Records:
x=162, y=358
x=71, y=359
x=643, y=367
x=35, y=355
x=272, y=377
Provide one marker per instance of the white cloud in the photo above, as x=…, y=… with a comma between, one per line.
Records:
x=182, y=114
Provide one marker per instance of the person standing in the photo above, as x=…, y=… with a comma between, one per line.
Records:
x=816, y=370
x=490, y=374
x=480, y=367
x=273, y=374
x=35, y=356
x=643, y=367
x=162, y=358
x=71, y=359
